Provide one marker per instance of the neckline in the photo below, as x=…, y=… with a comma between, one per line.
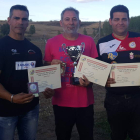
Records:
x=71, y=40
x=121, y=39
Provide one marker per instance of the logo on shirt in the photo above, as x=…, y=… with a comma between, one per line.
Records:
x=131, y=55
x=121, y=48
x=112, y=55
x=14, y=51
x=32, y=64
x=112, y=45
x=132, y=44
x=31, y=52
x=25, y=65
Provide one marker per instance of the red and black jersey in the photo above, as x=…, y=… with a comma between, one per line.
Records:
x=113, y=50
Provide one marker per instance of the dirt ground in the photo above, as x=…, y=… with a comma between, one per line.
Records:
x=46, y=121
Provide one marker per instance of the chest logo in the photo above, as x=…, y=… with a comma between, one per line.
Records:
x=23, y=65
x=112, y=45
x=131, y=55
x=14, y=51
x=112, y=55
x=121, y=48
x=31, y=51
x=132, y=44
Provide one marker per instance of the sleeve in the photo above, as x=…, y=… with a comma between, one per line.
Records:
x=1, y=57
x=98, y=51
x=40, y=60
x=93, y=51
x=48, y=56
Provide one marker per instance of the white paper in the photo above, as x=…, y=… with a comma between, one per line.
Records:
x=125, y=74
x=95, y=70
x=46, y=76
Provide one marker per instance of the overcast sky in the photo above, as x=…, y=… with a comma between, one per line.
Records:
x=90, y=10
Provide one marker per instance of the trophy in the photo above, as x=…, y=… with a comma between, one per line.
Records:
x=74, y=52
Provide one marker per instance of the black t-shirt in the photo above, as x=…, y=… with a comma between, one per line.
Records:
x=112, y=50
x=13, y=77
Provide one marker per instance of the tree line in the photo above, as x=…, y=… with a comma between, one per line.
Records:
x=106, y=29
x=134, y=26
x=4, y=29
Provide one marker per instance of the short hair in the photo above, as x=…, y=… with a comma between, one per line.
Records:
x=69, y=9
x=119, y=8
x=18, y=7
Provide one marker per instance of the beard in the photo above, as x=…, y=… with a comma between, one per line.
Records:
x=71, y=31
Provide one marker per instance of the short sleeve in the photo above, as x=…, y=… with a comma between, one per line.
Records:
x=48, y=56
x=40, y=60
x=93, y=52
x=2, y=58
x=98, y=50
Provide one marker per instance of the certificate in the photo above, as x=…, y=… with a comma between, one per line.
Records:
x=46, y=76
x=95, y=70
x=125, y=74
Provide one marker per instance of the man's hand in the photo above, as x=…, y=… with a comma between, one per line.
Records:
x=110, y=81
x=56, y=61
x=48, y=93
x=84, y=81
x=22, y=98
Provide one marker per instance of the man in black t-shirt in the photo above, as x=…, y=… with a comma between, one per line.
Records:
x=17, y=54
x=122, y=103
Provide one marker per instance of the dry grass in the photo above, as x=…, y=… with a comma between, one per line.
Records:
x=46, y=29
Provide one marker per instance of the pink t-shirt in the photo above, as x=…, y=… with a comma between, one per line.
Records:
x=70, y=95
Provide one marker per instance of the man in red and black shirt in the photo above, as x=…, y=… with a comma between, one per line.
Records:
x=122, y=103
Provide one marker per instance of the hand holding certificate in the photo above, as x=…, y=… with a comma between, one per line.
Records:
x=47, y=76
x=95, y=70
x=126, y=74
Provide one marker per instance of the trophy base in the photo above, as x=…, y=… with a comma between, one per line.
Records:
x=75, y=81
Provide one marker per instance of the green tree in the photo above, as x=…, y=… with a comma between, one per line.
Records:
x=5, y=28
x=134, y=24
x=94, y=32
x=106, y=28
x=85, y=31
x=32, y=29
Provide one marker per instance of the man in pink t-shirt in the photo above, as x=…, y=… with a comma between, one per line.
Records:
x=72, y=104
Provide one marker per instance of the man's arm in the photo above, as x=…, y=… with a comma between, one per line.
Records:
x=48, y=93
x=46, y=63
x=110, y=81
x=4, y=94
x=20, y=98
x=85, y=82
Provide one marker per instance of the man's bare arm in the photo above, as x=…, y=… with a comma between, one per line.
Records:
x=4, y=94
x=20, y=98
x=46, y=63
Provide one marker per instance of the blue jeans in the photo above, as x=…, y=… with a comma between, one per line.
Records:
x=26, y=125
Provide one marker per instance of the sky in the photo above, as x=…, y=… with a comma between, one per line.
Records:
x=50, y=10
